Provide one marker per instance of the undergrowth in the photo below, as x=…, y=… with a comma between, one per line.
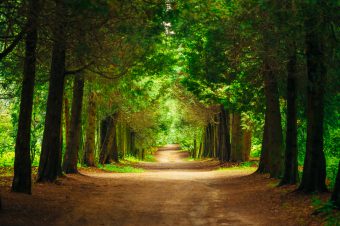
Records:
x=327, y=211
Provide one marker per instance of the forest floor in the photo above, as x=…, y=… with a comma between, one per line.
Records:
x=171, y=191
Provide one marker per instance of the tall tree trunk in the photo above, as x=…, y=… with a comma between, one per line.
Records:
x=22, y=164
x=194, y=153
x=227, y=146
x=72, y=147
x=108, y=140
x=67, y=118
x=246, y=146
x=60, y=156
x=224, y=147
x=132, y=142
x=314, y=171
x=335, y=199
x=274, y=142
x=90, y=132
x=236, y=139
x=290, y=175
x=264, y=159
x=48, y=165
x=114, y=148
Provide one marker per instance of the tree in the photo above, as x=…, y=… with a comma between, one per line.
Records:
x=224, y=146
x=236, y=139
x=73, y=144
x=22, y=164
x=49, y=164
x=290, y=175
x=89, y=152
x=275, y=146
x=108, y=139
x=314, y=173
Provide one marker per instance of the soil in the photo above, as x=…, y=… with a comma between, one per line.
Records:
x=172, y=191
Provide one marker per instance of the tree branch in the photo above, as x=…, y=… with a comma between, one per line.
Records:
x=79, y=70
x=10, y=48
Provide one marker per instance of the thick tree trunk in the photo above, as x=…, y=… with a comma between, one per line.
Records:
x=22, y=164
x=90, y=132
x=335, y=199
x=72, y=147
x=48, y=165
x=274, y=142
x=314, y=171
x=236, y=139
x=290, y=175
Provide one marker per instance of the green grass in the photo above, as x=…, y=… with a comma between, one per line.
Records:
x=236, y=168
x=120, y=168
x=149, y=158
x=129, y=158
x=133, y=159
x=190, y=159
x=241, y=166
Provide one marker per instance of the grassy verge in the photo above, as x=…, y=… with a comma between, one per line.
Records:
x=250, y=165
x=120, y=168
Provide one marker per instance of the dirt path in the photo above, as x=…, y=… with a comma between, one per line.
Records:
x=173, y=191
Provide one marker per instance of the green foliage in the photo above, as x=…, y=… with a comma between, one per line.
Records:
x=7, y=159
x=331, y=170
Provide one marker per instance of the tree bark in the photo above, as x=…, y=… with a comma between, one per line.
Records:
x=194, y=153
x=264, y=159
x=132, y=142
x=335, y=199
x=236, y=139
x=67, y=118
x=290, y=175
x=48, y=165
x=224, y=146
x=274, y=142
x=108, y=137
x=314, y=173
x=114, y=147
x=90, y=132
x=60, y=155
x=22, y=164
x=72, y=147
x=246, y=146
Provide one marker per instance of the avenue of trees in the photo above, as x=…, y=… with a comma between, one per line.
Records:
x=93, y=82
